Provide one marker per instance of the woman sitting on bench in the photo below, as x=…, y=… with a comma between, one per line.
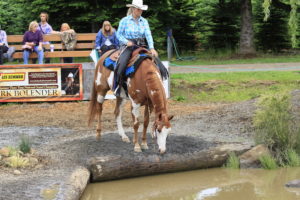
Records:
x=32, y=42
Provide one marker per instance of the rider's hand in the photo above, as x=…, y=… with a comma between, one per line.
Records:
x=154, y=52
x=129, y=43
x=40, y=48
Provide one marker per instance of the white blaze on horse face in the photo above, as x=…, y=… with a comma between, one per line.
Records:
x=98, y=80
x=110, y=79
x=162, y=138
x=100, y=98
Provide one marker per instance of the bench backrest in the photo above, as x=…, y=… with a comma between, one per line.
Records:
x=85, y=43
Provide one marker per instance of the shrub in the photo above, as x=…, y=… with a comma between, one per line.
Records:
x=25, y=144
x=233, y=161
x=268, y=162
x=275, y=125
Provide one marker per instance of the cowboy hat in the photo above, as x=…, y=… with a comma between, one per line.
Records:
x=138, y=4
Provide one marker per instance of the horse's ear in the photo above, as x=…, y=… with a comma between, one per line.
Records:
x=171, y=117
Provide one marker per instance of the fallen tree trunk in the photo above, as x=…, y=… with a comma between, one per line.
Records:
x=116, y=167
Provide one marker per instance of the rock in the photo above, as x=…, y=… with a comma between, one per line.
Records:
x=17, y=172
x=4, y=151
x=33, y=161
x=250, y=159
x=294, y=183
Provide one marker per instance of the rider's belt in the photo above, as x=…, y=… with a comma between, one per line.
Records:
x=142, y=42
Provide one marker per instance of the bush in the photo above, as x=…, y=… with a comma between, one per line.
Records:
x=276, y=128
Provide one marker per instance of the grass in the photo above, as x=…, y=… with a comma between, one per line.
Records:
x=25, y=144
x=231, y=86
x=17, y=162
x=268, y=162
x=293, y=159
x=226, y=57
x=233, y=161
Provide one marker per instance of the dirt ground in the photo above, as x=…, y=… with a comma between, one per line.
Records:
x=64, y=142
x=73, y=115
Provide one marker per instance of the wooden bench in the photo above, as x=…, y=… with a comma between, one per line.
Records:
x=85, y=43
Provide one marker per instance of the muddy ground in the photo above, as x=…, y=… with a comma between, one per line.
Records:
x=63, y=141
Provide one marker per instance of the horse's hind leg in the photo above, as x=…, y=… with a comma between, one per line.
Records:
x=118, y=114
x=146, y=123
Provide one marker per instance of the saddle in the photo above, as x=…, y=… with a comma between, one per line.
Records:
x=138, y=55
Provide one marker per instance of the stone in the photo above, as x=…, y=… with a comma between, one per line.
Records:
x=250, y=159
x=17, y=172
x=294, y=183
x=4, y=151
x=33, y=161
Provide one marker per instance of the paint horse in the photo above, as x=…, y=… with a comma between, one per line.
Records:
x=145, y=88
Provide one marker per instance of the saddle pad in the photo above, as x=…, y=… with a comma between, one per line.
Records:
x=130, y=70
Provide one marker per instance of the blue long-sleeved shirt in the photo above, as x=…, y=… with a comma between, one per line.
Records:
x=100, y=39
x=129, y=29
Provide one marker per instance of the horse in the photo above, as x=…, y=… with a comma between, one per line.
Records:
x=145, y=88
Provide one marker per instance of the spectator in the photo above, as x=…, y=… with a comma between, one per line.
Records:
x=106, y=38
x=3, y=45
x=45, y=28
x=32, y=42
x=68, y=37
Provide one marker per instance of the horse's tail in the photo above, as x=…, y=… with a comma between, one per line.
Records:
x=93, y=111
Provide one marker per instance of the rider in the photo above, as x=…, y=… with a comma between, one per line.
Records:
x=133, y=31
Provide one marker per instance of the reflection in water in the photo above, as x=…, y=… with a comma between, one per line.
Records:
x=211, y=184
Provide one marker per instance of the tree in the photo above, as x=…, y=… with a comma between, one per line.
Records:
x=292, y=6
x=225, y=32
x=247, y=34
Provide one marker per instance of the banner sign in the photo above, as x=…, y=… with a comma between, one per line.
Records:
x=51, y=82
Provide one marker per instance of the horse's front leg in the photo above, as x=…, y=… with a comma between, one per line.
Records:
x=147, y=113
x=135, y=111
x=99, y=107
x=118, y=114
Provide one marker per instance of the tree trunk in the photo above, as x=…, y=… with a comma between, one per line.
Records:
x=246, y=37
x=116, y=167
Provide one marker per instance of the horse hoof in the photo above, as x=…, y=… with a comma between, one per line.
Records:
x=144, y=146
x=126, y=139
x=137, y=149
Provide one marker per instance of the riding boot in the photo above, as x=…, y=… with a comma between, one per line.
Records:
x=120, y=70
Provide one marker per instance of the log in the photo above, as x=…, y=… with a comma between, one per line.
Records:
x=116, y=166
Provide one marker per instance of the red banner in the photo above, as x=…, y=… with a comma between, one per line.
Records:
x=51, y=82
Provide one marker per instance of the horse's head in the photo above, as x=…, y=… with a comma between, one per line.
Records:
x=161, y=129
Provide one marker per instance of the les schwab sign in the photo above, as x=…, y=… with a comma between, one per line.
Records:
x=53, y=82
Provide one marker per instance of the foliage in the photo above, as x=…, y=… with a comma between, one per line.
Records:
x=25, y=144
x=293, y=24
x=292, y=158
x=271, y=35
x=17, y=161
x=268, y=162
x=225, y=25
x=276, y=127
x=233, y=161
